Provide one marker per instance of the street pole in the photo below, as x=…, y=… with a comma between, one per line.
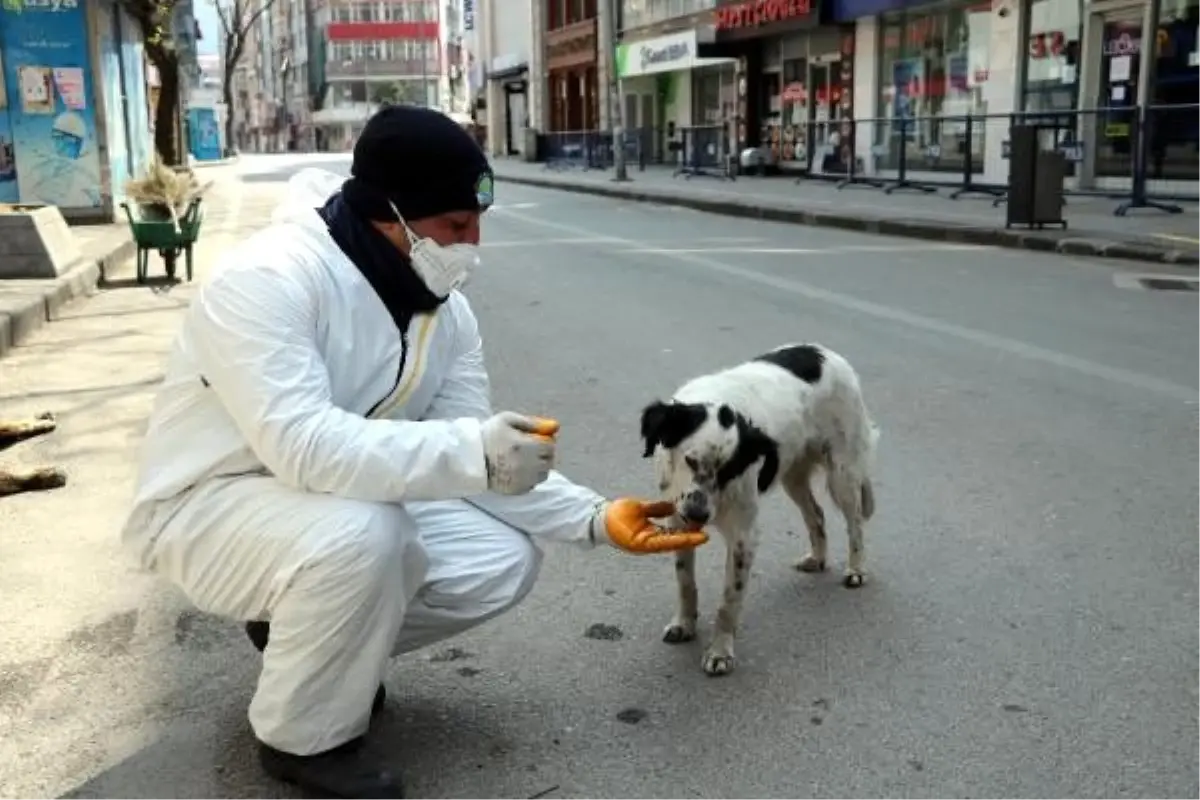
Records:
x=616, y=107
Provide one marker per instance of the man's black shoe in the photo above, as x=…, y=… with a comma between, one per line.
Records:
x=260, y=632
x=341, y=772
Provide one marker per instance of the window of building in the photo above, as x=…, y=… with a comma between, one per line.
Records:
x=933, y=68
x=343, y=13
x=636, y=13
x=1052, y=58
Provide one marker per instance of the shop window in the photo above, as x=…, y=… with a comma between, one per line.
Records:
x=1173, y=153
x=933, y=70
x=1052, y=57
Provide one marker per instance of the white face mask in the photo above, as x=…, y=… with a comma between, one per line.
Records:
x=442, y=268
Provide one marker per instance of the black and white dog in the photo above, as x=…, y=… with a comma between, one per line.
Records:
x=788, y=412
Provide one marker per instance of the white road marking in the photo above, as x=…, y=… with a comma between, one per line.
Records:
x=991, y=341
x=603, y=240
x=810, y=250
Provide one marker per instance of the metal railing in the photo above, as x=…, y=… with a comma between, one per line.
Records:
x=1150, y=146
x=588, y=150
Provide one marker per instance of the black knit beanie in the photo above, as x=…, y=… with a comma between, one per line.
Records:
x=422, y=161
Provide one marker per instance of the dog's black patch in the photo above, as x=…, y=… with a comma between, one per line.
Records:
x=668, y=424
x=802, y=360
x=753, y=445
x=726, y=417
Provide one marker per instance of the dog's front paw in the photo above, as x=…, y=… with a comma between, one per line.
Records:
x=853, y=578
x=810, y=563
x=680, y=630
x=718, y=660
x=41, y=479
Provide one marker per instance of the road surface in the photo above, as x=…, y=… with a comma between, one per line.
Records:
x=1029, y=628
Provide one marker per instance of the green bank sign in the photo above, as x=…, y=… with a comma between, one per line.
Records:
x=662, y=54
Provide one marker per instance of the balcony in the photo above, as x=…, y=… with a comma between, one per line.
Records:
x=380, y=68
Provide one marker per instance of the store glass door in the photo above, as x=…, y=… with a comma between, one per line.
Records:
x=825, y=93
x=1117, y=90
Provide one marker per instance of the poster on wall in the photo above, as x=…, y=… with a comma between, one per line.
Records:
x=8, y=163
x=51, y=125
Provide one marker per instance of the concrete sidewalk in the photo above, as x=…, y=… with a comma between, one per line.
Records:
x=1093, y=229
x=28, y=304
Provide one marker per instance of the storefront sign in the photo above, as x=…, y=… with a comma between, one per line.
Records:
x=676, y=51
x=752, y=13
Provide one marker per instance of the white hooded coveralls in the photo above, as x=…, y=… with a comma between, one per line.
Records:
x=290, y=474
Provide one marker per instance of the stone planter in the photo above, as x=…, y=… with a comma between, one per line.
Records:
x=35, y=242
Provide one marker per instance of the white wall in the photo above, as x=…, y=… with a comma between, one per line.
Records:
x=506, y=34
x=866, y=86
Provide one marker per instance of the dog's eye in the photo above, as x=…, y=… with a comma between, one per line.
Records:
x=693, y=465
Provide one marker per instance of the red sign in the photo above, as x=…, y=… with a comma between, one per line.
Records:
x=375, y=31
x=751, y=13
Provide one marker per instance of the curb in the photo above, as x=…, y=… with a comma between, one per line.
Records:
x=79, y=282
x=890, y=226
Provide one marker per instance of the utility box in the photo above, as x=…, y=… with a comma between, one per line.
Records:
x=1036, y=180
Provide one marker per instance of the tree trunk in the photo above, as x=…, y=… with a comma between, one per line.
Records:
x=166, y=113
x=227, y=97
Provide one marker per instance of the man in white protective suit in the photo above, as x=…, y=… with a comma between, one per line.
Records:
x=323, y=462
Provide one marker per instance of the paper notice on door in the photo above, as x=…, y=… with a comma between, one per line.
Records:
x=69, y=82
x=1118, y=94
x=1119, y=69
x=1068, y=73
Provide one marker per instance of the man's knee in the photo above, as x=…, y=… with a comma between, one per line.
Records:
x=371, y=544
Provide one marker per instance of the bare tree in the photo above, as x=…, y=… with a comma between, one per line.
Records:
x=238, y=18
x=154, y=19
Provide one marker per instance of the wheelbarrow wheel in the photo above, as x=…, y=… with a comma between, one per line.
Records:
x=169, y=257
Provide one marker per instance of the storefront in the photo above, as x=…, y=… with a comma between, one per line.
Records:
x=507, y=104
x=666, y=86
x=934, y=68
x=74, y=116
x=934, y=86
x=793, y=90
x=1090, y=57
x=573, y=90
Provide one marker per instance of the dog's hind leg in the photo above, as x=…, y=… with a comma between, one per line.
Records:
x=683, y=624
x=798, y=487
x=34, y=480
x=846, y=489
x=16, y=431
x=741, y=543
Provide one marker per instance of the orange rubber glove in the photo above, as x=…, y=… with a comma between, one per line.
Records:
x=627, y=523
x=545, y=428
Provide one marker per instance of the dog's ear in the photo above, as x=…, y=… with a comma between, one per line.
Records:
x=654, y=416
x=753, y=445
x=668, y=424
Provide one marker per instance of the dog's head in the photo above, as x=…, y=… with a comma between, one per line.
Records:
x=700, y=449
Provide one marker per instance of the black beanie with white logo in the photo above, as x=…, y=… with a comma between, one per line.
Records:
x=421, y=161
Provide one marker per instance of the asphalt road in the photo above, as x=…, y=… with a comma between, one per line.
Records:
x=1029, y=628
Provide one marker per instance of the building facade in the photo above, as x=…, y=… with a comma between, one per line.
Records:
x=388, y=51
x=570, y=63
x=505, y=45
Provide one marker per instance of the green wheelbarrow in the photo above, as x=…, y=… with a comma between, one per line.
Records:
x=153, y=230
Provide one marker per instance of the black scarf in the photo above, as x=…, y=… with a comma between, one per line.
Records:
x=387, y=269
